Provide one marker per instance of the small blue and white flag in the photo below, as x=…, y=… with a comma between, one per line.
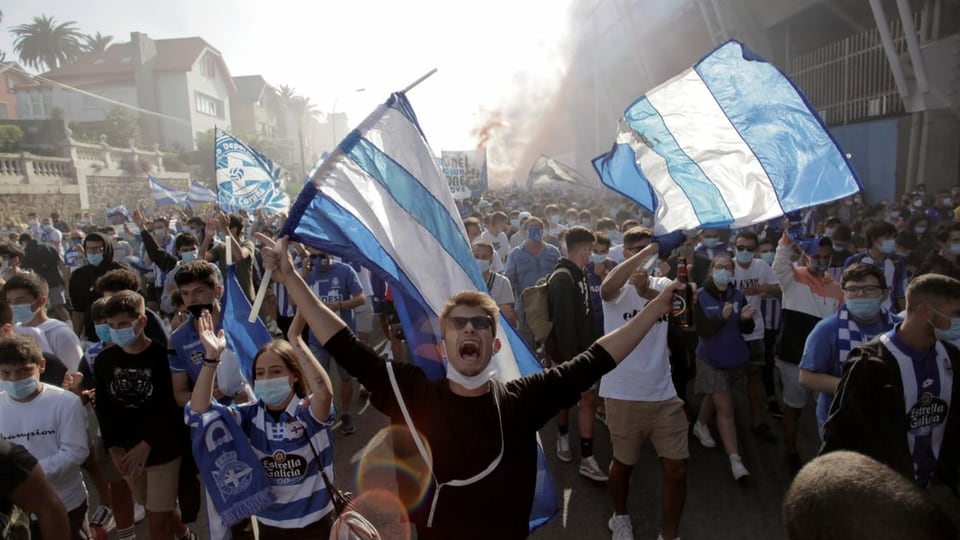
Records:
x=199, y=194
x=382, y=200
x=246, y=179
x=165, y=195
x=728, y=143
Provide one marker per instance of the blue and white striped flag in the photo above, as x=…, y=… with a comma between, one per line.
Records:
x=199, y=194
x=246, y=179
x=165, y=195
x=728, y=143
x=380, y=199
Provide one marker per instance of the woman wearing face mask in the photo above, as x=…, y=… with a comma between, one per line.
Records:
x=722, y=316
x=288, y=431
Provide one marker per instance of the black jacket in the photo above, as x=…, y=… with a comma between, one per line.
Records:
x=867, y=413
x=568, y=301
x=83, y=283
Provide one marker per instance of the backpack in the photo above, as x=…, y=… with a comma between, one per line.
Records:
x=536, y=308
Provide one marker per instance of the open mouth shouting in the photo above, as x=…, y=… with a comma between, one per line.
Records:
x=469, y=350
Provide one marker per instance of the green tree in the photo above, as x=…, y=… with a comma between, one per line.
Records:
x=44, y=43
x=10, y=138
x=96, y=43
x=120, y=126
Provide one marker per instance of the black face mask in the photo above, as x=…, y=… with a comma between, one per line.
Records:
x=197, y=310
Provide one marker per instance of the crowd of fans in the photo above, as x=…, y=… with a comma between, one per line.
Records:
x=112, y=352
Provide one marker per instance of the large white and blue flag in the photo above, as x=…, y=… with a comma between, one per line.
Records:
x=728, y=143
x=165, y=195
x=382, y=200
x=199, y=194
x=247, y=179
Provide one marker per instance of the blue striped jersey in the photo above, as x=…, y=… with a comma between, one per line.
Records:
x=770, y=308
x=283, y=449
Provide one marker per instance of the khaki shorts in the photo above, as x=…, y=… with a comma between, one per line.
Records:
x=156, y=488
x=631, y=423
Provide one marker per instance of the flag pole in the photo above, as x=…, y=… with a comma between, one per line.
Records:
x=422, y=78
x=265, y=282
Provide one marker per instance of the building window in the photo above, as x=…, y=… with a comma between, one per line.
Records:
x=208, y=66
x=209, y=105
x=35, y=105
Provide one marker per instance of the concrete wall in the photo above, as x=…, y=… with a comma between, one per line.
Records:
x=174, y=99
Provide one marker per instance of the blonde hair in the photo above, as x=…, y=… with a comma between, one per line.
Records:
x=470, y=299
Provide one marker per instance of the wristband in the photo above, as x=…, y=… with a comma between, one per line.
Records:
x=211, y=361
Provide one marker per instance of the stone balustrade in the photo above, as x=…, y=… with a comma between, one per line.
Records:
x=27, y=168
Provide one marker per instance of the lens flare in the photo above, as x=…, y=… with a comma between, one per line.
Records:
x=392, y=463
x=386, y=512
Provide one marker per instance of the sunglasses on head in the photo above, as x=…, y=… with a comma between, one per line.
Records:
x=480, y=322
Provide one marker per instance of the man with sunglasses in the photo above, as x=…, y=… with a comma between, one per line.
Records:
x=894, y=400
x=860, y=319
x=482, y=433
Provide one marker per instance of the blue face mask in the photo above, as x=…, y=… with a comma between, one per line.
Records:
x=535, y=234
x=722, y=276
x=711, y=242
x=20, y=389
x=123, y=337
x=189, y=256
x=887, y=246
x=272, y=391
x=919, y=230
x=768, y=257
x=744, y=257
x=103, y=332
x=514, y=222
x=483, y=264
x=95, y=258
x=598, y=258
x=864, y=308
x=950, y=334
x=22, y=313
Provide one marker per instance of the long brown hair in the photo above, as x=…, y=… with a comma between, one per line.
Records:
x=286, y=353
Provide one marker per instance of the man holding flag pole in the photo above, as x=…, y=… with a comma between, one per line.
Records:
x=482, y=433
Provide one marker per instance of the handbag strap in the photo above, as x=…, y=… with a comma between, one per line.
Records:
x=406, y=417
x=340, y=500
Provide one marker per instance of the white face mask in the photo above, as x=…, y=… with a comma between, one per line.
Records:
x=467, y=381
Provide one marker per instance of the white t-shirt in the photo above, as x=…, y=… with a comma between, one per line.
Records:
x=644, y=375
x=616, y=253
x=36, y=334
x=64, y=343
x=501, y=244
x=500, y=289
x=758, y=273
x=52, y=427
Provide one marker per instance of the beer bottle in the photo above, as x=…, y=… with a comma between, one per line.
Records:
x=683, y=302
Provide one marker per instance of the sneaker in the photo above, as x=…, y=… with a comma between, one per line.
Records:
x=621, y=527
x=590, y=469
x=346, y=425
x=563, y=448
x=702, y=432
x=139, y=512
x=762, y=432
x=737, y=468
x=103, y=518
x=773, y=409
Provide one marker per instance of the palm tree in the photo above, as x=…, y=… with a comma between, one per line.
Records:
x=96, y=43
x=44, y=43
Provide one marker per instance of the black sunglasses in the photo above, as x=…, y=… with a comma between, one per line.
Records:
x=480, y=322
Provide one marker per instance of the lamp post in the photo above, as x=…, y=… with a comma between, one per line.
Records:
x=333, y=118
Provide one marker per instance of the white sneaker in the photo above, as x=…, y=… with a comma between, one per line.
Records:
x=621, y=527
x=590, y=469
x=563, y=448
x=737, y=468
x=139, y=512
x=702, y=432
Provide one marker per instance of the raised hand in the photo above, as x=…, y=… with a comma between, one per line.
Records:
x=213, y=342
x=276, y=257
